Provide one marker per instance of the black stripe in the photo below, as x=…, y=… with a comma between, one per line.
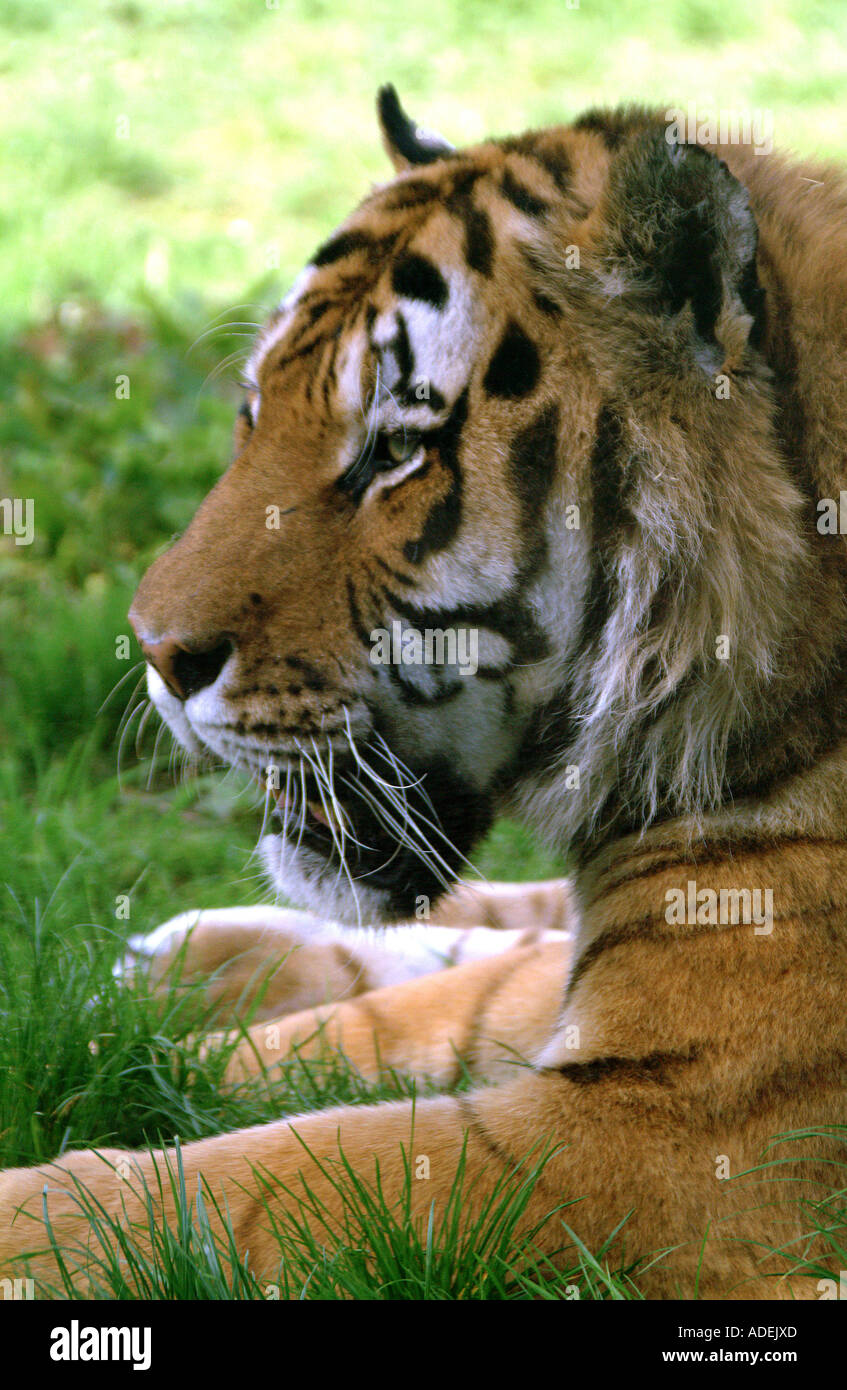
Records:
x=546, y=151
x=609, y=511
x=413, y=696
x=312, y=678
x=515, y=366
x=408, y=193
x=344, y=244
x=479, y=239
x=656, y=1067
x=362, y=632
x=396, y=574
x=433, y=401
x=791, y=1079
x=556, y=161
x=621, y=935
x=415, y=277
x=297, y=354
x=462, y=181
x=613, y=126
x=475, y=1126
x=521, y=197
x=520, y=144
x=330, y=378
x=539, y=277
x=402, y=348
x=651, y=926
x=445, y=516
x=542, y=1184
x=533, y=456
x=317, y=309
x=546, y=304
x=509, y=617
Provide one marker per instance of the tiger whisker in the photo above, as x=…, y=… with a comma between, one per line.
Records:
x=265, y=812
x=220, y=321
x=409, y=822
x=433, y=825
x=160, y=732
x=239, y=355
x=130, y=706
x=116, y=687
x=228, y=327
x=142, y=724
x=136, y=712
x=416, y=818
x=426, y=853
x=335, y=818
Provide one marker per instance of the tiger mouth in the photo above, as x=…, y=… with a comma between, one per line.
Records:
x=333, y=826
x=318, y=811
x=408, y=839
x=352, y=810
x=322, y=812
x=348, y=824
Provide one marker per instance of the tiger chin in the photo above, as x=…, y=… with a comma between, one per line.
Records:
x=581, y=393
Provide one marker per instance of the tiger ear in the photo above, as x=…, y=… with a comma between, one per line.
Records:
x=679, y=231
x=405, y=142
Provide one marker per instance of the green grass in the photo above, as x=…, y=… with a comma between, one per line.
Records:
x=166, y=169
x=373, y=1251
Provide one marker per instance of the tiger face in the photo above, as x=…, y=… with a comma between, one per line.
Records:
x=397, y=607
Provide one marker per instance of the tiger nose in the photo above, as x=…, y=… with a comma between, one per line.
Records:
x=184, y=670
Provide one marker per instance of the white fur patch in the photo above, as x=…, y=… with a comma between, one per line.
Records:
x=389, y=954
x=441, y=340
x=172, y=711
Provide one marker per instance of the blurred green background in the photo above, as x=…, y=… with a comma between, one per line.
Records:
x=166, y=166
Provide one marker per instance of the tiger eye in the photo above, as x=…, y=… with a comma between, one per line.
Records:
x=402, y=444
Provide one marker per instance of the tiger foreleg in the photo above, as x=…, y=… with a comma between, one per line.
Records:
x=260, y=1177
x=483, y=1019
x=269, y=961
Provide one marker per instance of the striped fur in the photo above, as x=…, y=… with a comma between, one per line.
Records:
x=581, y=325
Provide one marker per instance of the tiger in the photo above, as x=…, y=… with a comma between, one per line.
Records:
x=579, y=395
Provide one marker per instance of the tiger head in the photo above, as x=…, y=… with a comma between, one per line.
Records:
x=491, y=516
